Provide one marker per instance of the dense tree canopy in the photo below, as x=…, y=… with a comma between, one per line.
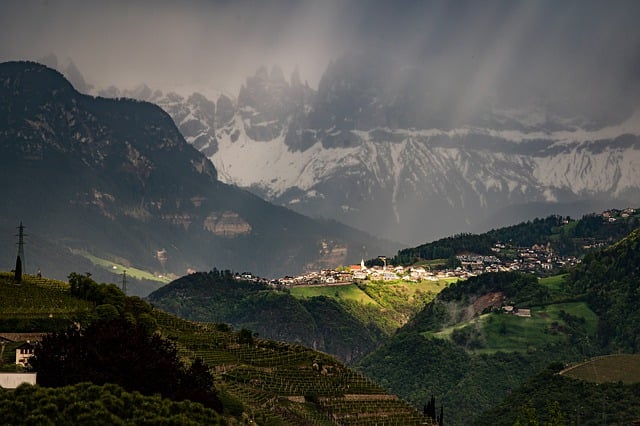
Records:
x=610, y=281
x=86, y=403
x=117, y=351
x=566, y=236
x=553, y=399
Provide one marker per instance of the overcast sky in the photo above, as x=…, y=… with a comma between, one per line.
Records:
x=214, y=45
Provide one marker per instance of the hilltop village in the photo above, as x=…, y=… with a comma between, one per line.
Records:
x=539, y=259
x=535, y=259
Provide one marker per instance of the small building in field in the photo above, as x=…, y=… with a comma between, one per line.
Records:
x=523, y=312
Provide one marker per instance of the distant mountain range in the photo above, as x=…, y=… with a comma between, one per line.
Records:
x=394, y=158
x=115, y=179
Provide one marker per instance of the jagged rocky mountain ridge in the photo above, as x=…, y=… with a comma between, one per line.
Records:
x=383, y=157
x=116, y=178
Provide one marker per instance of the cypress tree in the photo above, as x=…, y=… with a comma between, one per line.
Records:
x=429, y=409
x=18, y=273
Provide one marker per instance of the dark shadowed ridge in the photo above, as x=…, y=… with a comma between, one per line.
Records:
x=116, y=179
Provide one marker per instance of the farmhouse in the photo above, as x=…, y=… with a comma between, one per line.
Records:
x=24, y=352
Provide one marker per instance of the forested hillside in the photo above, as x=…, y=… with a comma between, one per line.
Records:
x=565, y=235
x=609, y=280
x=551, y=398
x=319, y=322
x=482, y=338
x=478, y=341
x=467, y=351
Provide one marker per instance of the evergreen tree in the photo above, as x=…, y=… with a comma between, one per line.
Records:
x=18, y=272
x=430, y=408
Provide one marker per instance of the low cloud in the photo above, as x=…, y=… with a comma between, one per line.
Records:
x=572, y=54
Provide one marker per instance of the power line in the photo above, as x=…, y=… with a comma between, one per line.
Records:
x=20, y=244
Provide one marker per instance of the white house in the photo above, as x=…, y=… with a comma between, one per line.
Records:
x=359, y=275
x=24, y=352
x=389, y=276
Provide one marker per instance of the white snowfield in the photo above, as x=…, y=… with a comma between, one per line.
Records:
x=573, y=162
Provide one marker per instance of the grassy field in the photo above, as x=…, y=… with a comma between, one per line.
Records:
x=119, y=269
x=411, y=288
x=344, y=292
x=509, y=333
x=389, y=305
x=554, y=284
x=612, y=368
x=404, y=289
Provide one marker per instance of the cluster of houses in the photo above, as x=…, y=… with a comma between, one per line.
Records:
x=539, y=259
x=354, y=273
x=374, y=273
x=615, y=214
x=536, y=259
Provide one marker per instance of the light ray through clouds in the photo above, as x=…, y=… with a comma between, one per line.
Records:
x=581, y=55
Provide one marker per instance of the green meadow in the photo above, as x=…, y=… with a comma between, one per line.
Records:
x=554, y=284
x=376, y=293
x=387, y=304
x=342, y=292
x=116, y=268
x=499, y=331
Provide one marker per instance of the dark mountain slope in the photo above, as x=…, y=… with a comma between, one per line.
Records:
x=116, y=178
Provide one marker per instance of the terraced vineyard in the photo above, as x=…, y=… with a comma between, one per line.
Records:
x=269, y=382
x=623, y=368
x=37, y=304
x=281, y=383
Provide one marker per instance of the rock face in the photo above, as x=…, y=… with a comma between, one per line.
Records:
x=116, y=178
x=385, y=149
x=227, y=224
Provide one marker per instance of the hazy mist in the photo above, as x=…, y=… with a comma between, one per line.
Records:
x=575, y=52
